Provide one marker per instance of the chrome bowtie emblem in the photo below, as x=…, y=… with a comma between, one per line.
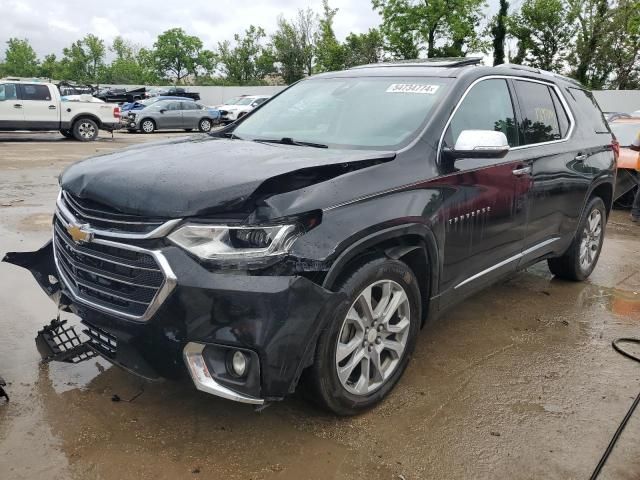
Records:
x=80, y=233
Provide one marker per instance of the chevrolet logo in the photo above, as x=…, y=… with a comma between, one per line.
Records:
x=79, y=233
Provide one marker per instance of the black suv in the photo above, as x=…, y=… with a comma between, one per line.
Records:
x=313, y=239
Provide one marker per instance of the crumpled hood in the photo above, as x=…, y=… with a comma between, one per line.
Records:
x=202, y=175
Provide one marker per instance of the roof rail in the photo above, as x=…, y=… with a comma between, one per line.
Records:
x=526, y=68
x=447, y=62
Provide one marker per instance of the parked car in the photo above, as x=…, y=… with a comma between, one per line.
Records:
x=121, y=95
x=291, y=246
x=628, y=179
x=140, y=104
x=172, y=91
x=68, y=89
x=241, y=106
x=171, y=114
x=38, y=106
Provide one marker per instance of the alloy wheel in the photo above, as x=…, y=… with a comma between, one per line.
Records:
x=147, y=126
x=87, y=130
x=205, y=125
x=373, y=337
x=590, y=241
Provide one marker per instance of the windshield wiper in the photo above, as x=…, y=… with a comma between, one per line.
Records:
x=290, y=141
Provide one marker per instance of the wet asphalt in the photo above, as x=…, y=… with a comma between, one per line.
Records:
x=518, y=382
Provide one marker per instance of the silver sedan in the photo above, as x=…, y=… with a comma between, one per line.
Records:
x=171, y=114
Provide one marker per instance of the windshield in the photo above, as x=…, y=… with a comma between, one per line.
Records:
x=245, y=101
x=362, y=112
x=232, y=101
x=625, y=132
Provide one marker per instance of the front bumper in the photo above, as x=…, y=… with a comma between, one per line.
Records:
x=275, y=319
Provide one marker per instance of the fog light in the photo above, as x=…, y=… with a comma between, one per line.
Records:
x=238, y=364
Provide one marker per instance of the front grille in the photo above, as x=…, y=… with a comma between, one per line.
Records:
x=102, y=217
x=108, y=277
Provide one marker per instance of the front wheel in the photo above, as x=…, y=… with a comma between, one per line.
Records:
x=367, y=345
x=581, y=258
x=147, y=125
x=85, y=130
x=66, y=133
x=204, y=125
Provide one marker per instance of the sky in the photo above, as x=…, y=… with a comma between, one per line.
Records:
x=51, y=25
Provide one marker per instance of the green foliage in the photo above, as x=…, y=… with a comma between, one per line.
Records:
x=441, y=27
x=50, y=67
x=330, y=54
x=622, y=46
x=499, y=32
x=20, y=58
x=543, y=29
x=177, y=55
x=247, y=61
x=293, y=45
x=363, y=48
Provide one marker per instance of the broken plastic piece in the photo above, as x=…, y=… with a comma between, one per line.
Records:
x=56, y=343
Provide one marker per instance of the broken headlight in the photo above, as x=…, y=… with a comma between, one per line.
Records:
x=222, y=242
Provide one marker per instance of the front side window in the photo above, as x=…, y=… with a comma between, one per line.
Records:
x=353, y=112
x=539, y=121
x=190, y=106
x=36, y=92
x=8, y=92
x=487, y=106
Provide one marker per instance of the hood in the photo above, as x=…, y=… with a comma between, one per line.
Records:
x=205, y=175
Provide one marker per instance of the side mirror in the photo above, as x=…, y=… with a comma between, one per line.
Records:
x=162, y=110
x=479, y=144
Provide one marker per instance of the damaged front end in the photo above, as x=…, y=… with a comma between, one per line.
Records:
x=151, y=305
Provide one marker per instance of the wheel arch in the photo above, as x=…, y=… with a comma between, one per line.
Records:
x=604, y=190
x=415, y=244
x=80, y=116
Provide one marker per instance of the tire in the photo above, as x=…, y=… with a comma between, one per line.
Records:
x=147, y=126
x=352, y=335
x=205, y=125
x=66, y=133
x=85, y=130
x=581, y=257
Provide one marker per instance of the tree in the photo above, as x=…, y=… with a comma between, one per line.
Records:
x=177, y=55
x=307, y=27
x=20, y=58
x=543, y=29
x=75, y=62
x=441, y=27
x=288, y=51
x=623, y=45
x=499, y=32
x=247, y=61
x=95, y=53
x=588, y=51
x=363, y=48
x=329, y=52
x=50, y=67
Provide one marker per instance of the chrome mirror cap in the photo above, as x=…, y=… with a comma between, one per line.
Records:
x=480, y=144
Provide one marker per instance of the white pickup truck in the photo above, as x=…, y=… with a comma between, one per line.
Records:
x=38, y=106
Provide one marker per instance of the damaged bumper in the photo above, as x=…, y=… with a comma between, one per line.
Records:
x=194, y=325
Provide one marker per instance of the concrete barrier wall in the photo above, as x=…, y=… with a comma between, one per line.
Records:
x=609, y=100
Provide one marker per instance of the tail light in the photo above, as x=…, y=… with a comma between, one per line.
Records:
x=116, y=112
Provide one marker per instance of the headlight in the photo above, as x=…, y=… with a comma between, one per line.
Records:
x=222, y=242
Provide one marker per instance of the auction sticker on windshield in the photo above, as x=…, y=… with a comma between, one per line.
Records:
x=412, y=88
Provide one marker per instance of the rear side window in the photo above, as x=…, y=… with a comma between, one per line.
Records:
x=487, y=106
x=589, y=109
x=561, y=113
x=36, y=92
x=8, y=92
x=539, y=121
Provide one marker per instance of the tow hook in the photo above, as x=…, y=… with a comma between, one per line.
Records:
x=60, y=344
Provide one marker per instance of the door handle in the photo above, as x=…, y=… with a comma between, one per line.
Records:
x=518, y=172
x=52, y=107
x=581, y=158
x=17, y=105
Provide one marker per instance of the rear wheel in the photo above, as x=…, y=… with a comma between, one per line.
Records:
x=147, y=125
x=204, y=125
x=85, y=130
x=367, y=345
x=581, y=258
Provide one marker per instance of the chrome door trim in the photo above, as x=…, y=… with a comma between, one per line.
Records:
x=507, y=261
